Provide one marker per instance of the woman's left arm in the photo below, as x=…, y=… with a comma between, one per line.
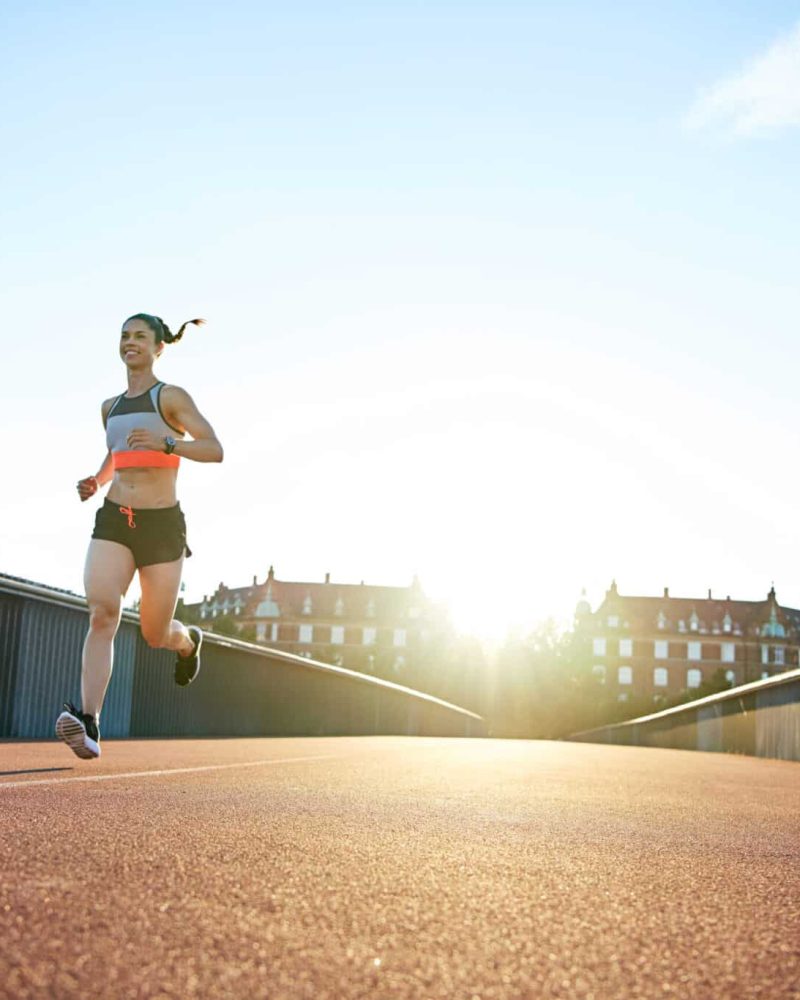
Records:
x=180, y=410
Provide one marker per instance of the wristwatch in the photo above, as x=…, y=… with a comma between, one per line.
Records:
x=169, y=445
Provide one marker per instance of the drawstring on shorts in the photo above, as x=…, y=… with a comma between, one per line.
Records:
x=130, y=512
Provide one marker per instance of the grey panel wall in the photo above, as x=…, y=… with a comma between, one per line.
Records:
x=778, y=731
x=240, y=691
x=10, y=616
x=760, y=719
x=237, y=692
x=45, y=671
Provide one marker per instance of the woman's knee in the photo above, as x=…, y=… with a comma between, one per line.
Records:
x=103, y=616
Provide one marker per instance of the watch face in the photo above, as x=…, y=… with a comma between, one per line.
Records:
x=170, y=443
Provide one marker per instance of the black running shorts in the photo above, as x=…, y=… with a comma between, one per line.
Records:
x=154, y=535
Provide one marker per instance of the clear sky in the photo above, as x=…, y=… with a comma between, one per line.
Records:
x=501, y=294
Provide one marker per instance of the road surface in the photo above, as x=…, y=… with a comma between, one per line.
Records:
x=396, y=867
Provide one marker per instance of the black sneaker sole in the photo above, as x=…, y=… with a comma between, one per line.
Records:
x=72, y=732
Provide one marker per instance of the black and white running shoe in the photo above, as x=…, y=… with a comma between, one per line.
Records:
x=79, y=731
x=188, y=667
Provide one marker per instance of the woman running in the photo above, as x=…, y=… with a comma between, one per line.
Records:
x=140, y=525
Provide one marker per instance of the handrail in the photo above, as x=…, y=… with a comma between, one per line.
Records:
x=64, y=598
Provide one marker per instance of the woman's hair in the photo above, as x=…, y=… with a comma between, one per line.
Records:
x=160, y=328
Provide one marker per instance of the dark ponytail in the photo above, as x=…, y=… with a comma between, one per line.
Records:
x=160, y=329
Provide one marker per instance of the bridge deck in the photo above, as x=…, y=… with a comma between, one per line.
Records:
x=397, y=867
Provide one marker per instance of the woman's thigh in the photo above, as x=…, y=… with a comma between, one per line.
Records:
x=107, y=574
x=160, y=584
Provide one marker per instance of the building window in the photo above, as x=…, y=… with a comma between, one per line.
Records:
x=662, y=649
x=599, y=647
x=626, y=647
x=306, y=633
x=622, y=696
x=599, y=672
x=694, y=622
x=399, y=637
x=613, y=621
x=202, y=612
x=238, y=609
x=274, y=636
x=765, y=654
x=339, y=609
x=695, y=651
x=727, y=624
x=662, y=620
x=625, y=675
x=399, y=663
x=261, y=631
x=337, y=634
x=694, y=678
x=780, y=655
x=370, y=612
x=370, y=635
x=681, y=625
x=660, y=677
x=728, y=652
x=730, y=676
x=307, y=606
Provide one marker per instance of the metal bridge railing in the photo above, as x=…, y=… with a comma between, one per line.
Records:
x=243, y=689
x=761, y=718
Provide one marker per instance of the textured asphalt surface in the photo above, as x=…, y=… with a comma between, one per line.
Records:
x=391, y=867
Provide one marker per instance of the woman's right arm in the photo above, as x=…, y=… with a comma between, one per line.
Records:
x=91, y=484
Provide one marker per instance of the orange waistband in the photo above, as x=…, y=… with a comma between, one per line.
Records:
x=144, y=459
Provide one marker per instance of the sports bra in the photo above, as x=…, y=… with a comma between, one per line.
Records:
x=143, y=411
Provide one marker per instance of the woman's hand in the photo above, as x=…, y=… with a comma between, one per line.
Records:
x=140, y=438
x=88, y=487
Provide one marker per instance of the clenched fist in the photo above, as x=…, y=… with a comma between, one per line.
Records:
x=88, y=487
x=141, y=438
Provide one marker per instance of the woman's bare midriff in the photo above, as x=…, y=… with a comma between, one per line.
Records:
x=144, y=489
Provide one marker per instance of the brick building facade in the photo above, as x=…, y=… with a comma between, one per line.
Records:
x=660, y=646
x=372, y=629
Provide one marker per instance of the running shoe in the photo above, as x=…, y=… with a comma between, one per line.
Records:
x=79, y=731
x=188, y=667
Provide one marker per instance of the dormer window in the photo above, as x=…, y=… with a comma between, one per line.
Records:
x=662, y=620
x=613, y=621
x=727, y=624
x=773, y=627
x=681, y=625
x=307, y=606
x=694, y=622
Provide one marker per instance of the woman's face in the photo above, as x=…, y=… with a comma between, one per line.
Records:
x=137, y=345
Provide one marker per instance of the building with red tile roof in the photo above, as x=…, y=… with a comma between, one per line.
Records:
x=661, y=646
x=374, y=629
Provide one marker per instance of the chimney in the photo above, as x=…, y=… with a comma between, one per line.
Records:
x=327, y=578
x=709, y=593
x=255, y=581
x=666, y=591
